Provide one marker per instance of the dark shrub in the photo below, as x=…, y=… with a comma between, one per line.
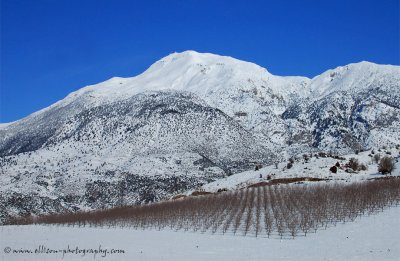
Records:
x=339, y=158
x=240, y=114
x=386, y=165
x=363, y=167
x=353, y=164
x=337, y=164
x=289, y=165
x=333, y=169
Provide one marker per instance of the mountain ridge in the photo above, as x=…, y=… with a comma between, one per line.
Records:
x=197, y=57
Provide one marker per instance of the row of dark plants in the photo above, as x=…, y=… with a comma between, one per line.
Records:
x=281, y=210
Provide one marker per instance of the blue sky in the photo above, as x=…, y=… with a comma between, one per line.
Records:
x=50, y=48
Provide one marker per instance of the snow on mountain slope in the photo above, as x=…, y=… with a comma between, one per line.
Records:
x=168, y=137
x=3, y=125
x=357, y=77
x=350, y=106
x=200, y=73
x=242, y=90
x=189, y=119
x=314, y=167
x=260, y=102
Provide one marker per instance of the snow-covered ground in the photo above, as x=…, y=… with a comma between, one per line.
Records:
x=313, y=168
x=373, y=237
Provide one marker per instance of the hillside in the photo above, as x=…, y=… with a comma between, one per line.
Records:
x=190, y=119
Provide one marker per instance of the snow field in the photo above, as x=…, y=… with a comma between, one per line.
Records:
x=374, y=237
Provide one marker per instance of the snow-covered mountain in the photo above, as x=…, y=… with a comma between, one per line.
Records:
x=189, y=119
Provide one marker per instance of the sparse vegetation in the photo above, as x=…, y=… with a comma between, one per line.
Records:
x=353, y=164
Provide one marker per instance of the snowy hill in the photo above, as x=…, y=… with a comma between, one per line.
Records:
x=190, y=119
x=304, y=171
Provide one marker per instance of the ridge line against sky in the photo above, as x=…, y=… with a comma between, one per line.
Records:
x=51, y=48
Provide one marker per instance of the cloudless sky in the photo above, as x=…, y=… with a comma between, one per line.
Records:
x=50, y=48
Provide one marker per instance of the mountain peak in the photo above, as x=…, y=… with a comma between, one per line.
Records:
x=194, y=58
x=355, y=77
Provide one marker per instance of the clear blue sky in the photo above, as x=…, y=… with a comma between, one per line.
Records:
x=50, y=48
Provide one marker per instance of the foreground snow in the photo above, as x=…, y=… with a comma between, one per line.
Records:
x=370, y=238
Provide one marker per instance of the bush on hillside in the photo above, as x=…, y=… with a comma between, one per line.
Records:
x=386, y=165
x=353, y=164
x=289, y=165
x=363, y=167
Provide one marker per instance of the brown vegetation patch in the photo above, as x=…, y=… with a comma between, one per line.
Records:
x=284, y=181
x=259, y=184
x=386, y=178
x=180, y=196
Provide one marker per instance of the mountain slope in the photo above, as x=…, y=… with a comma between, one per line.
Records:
x=127, y=152
x=189, y=119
